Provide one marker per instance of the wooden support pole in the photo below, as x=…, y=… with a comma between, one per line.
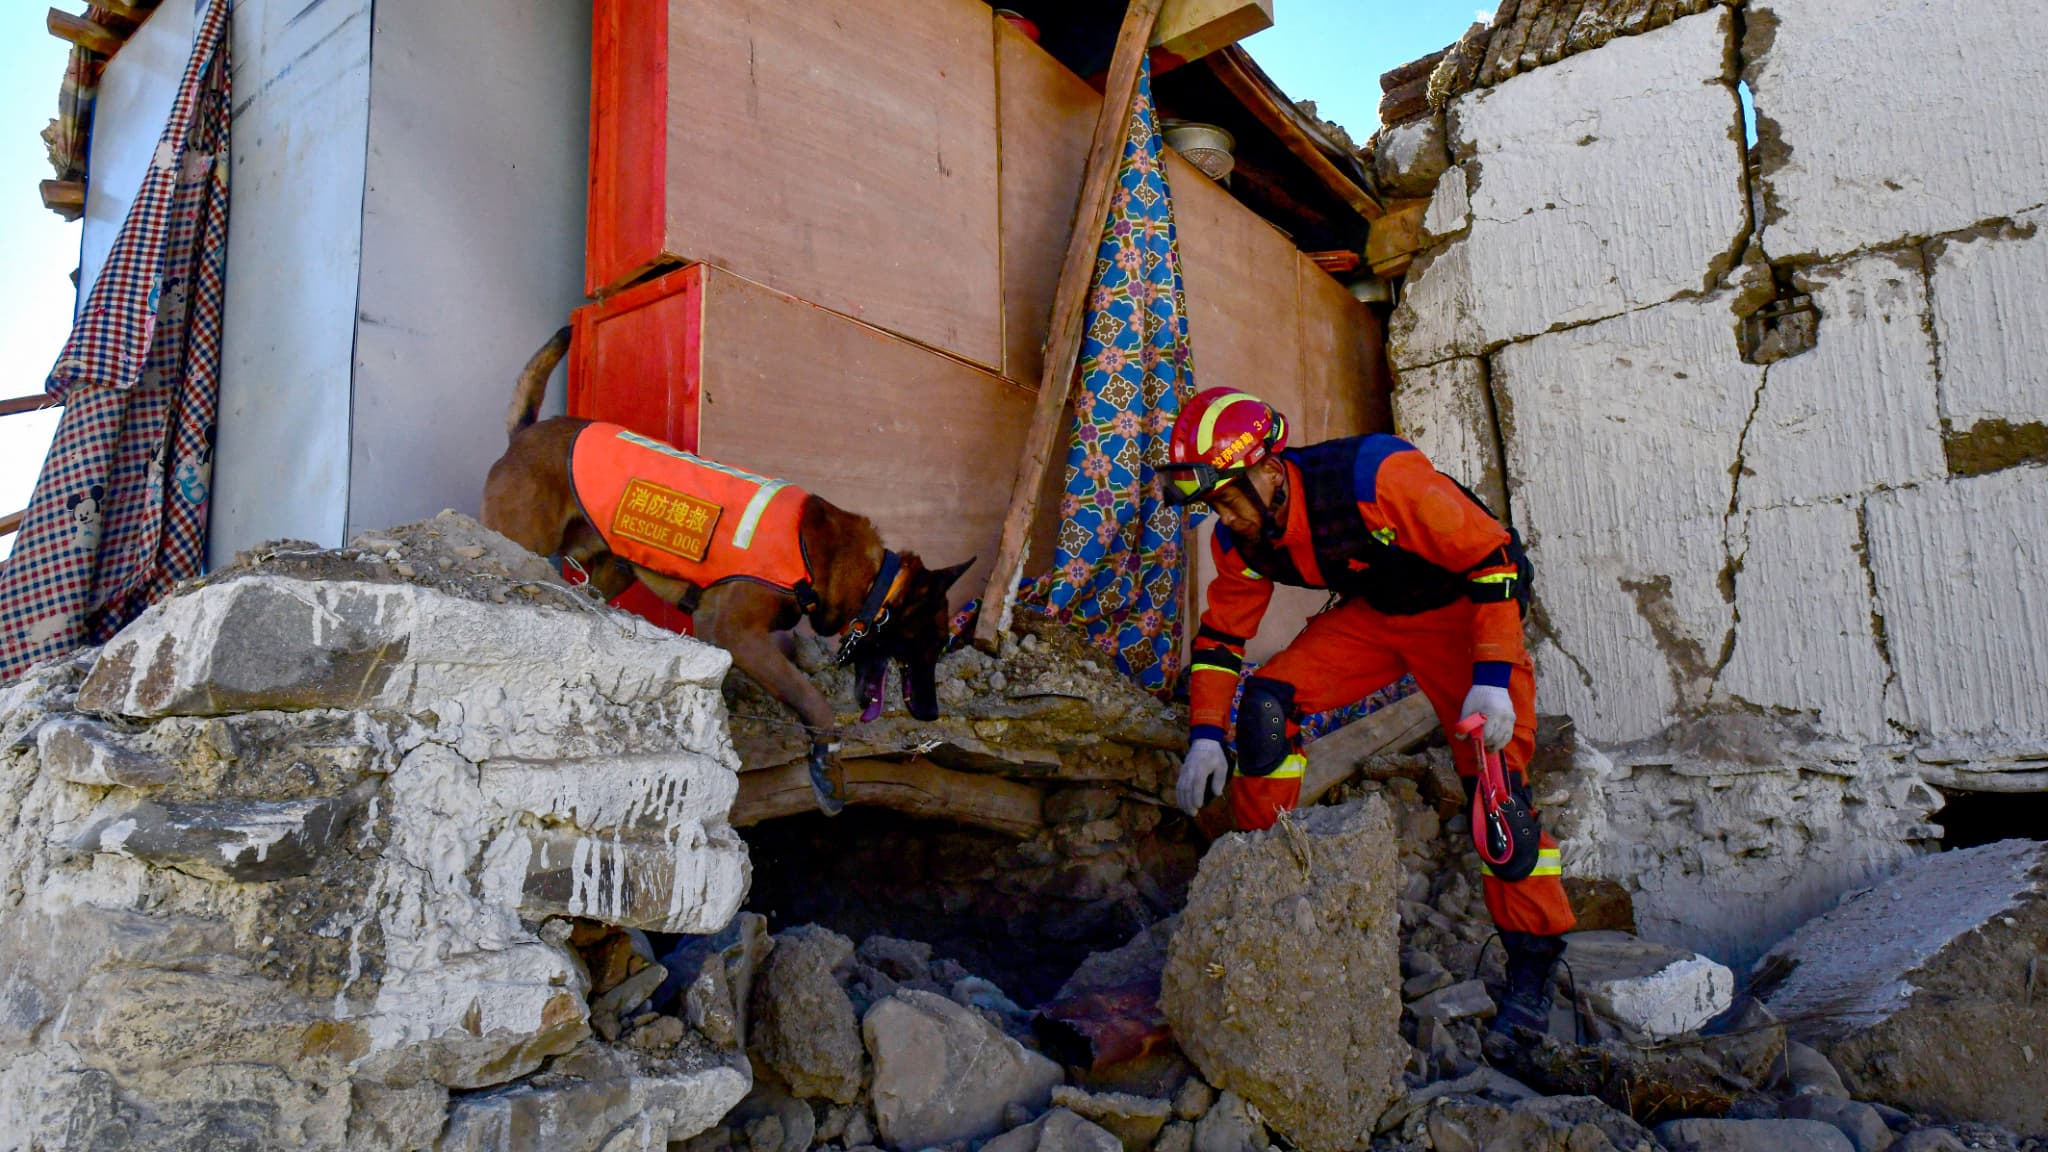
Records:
x=11, y=522
x=36, y=403
x=84, y=33
x=1069, y=309
x=917, y=787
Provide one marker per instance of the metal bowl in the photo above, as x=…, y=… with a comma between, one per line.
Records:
x=1205, y=146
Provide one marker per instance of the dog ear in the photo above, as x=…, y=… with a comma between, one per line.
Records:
x=946, y=577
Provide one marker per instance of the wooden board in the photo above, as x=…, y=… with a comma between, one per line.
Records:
x=1191, y=29
x=1340, y=346
x=1242, y=291
x=917, y=787
x=921, y=443
x=842, y=151
x=1045, y=118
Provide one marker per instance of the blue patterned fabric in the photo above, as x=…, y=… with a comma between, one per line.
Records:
x=1120, y=560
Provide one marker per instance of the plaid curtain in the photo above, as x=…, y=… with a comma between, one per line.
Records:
x=1118, y=569
x=119, y=513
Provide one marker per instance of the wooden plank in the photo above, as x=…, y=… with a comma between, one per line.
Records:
x=923, y=444
x=1242, y=293
x=83, y=33
x=629, y=110
x=35, y=403
x=11, y=522
x=64, y=197
x=1045, y=120
x=1338, y=262
x=1234, y=70
x=1191, y=29
x=1338, y=756
x=843, y=151
x=917, y=787
x=137, y=12
x=1340, y=337
x=1063, y=343
x=1396, y=235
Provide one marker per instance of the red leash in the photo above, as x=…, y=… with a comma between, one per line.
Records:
x=1489, y=827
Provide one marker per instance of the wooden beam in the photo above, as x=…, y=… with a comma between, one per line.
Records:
x=1191, y=29
x=1337, y=757
x=1396, y=237
x=917, y=787
x=137, y=12
x=11, y=522
x=64, y=197
x=1258, y=100
x=1336, y=263
x=83, y=33
x=36, y=403
x=1069, y=310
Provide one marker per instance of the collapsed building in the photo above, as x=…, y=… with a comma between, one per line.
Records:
x=402, y=843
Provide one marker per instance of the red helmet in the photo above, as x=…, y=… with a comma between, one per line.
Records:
x=1219, y=435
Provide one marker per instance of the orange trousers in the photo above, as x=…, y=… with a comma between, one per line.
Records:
x=1351, y=651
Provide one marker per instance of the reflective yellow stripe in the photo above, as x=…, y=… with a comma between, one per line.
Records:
x=1291, y=768
x=1496, y=578
x=743, y=536
x=1383, y=535
x=1250, y=574
x=1205, y=432
x=1214, y=668
x=1548, y=863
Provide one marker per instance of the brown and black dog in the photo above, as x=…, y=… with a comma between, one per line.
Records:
x=890, y=607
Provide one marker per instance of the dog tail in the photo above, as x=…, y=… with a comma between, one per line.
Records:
x=533, y=383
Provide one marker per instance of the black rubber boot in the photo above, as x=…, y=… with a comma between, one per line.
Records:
x=1531, y=960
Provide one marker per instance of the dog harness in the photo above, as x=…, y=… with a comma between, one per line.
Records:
x=686, y=517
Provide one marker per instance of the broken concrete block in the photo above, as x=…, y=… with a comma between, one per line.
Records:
x=1652, y=989
x=1859, y=1122
x=1059, y=1130
x=1847, y=165
x=1463, y=1001
x=232, y=841
x=1858, y=412
x=1806, y=643
x=1991, y=321
x=559, y=683
x=593, y=1095
x=1568, y=1124
x=1444, y=410
x=1134, y=1120
x=650, y=883
x=1629, y=573
x=1317, y=1050
x=1605, y=183
x=1751, y=1136
x=713, y=976
x=1229, y=1127
x=1963, y=636
x=1450, y=209
x=1917, y=989
x=1408, y=157
x=804, y=1025
x=943, y=1073
x=85, y=751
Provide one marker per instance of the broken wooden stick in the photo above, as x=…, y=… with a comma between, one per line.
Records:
x=916, y=787
x=1069, y=309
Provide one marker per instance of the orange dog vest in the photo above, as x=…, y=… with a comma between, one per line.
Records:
x=686, y=517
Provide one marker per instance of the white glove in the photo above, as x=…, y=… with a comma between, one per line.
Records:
x=1498, y=709
x=1202, y=774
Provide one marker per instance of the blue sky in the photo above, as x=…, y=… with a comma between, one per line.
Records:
x=1329, y=51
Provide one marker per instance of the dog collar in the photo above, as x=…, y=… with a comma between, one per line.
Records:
x=874, y=611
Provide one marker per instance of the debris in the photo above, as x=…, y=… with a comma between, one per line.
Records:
x=804, y=1026
x=1751, y=1136
x=1194, y=1099
x=1229, y=1127
x=1302, y=1020
x=1134, y=1120
x=1916, y=989
x=943, y=1073
x=1654, y=990
x=590, y=1095
x=1057, y=1131
x=1859, y=1122
x=611, y=1008
x=1467, y=1000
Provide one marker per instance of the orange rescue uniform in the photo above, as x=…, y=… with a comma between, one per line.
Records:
x=1410, y=512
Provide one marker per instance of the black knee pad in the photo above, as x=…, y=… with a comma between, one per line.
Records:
x=1262, y=717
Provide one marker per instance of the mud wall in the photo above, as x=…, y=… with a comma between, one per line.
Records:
x=1772, y=420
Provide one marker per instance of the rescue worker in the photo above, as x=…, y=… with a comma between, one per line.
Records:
x=1428, y=584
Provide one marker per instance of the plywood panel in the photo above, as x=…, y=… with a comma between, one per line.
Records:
x=1340, y=341
x=1242, y=291
x=843, y=151
x=921, y=443
x=1046, y=115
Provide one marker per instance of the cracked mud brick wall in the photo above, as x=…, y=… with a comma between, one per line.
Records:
x=1790, y=583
